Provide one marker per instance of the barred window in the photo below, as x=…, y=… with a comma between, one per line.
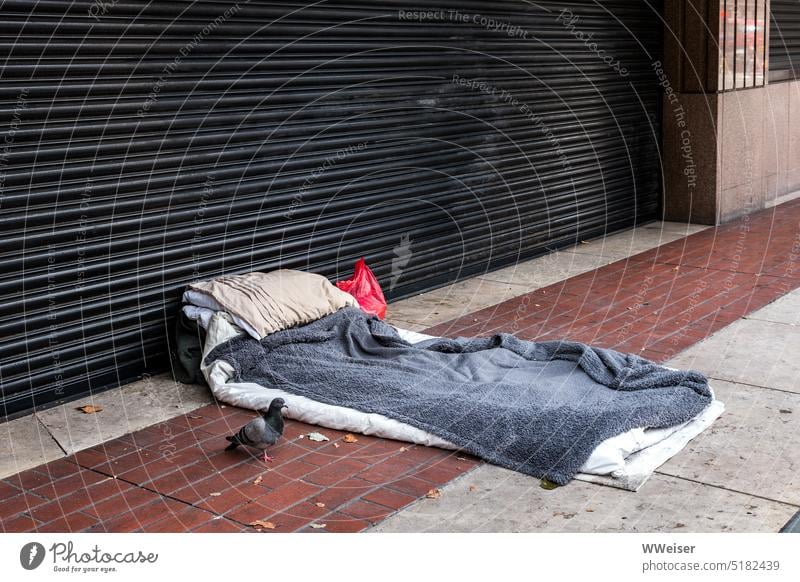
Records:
x=741, y=36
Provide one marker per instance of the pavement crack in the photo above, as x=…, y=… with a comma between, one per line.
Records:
x=52, y=436
x=731, y=490
x=783, y=390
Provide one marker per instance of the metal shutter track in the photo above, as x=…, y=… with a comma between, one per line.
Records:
x=115, y=194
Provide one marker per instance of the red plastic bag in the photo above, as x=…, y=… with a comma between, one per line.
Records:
x=366, y=289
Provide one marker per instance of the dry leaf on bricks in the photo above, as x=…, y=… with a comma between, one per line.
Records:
x=258, y=480
x=547, y=484
x=263, y=524
x=433, y=494
x=349, y=438
x=319, y=504
x=89, y=409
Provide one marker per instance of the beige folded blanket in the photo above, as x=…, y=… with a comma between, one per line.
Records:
x=277, y=300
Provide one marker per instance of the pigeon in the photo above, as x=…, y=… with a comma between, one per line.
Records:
x=263, y=431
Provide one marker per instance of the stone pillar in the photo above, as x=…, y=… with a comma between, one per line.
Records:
x=721, y=145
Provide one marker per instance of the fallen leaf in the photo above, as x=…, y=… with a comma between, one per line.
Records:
x=547, y=484
x=589, y=510
x=433, y=494
x=89, y=409
x=472, y=488
x=403, y=449
x=348, y=438
x=264, y=524
x=258, y=480
x=677, y=525
x=318, y=504
x=317, y=437
x=318, y=525
x=676, y=268
x=336, y=445
x=215, y=494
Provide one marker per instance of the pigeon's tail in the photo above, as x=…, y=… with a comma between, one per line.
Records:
x=234, y=443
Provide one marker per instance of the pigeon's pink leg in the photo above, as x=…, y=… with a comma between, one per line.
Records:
x=267, y=458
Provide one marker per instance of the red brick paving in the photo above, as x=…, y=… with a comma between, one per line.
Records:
x=175, y=476
x=662, y=301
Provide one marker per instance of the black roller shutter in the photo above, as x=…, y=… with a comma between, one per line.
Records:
x=149, y=144
x=784, y=40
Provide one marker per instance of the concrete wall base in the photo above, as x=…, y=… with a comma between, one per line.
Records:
x=730, y=154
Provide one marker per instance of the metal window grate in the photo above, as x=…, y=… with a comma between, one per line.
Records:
x=742, y=38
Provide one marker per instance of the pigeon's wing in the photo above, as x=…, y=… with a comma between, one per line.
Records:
x=239, y=438
x=248, y=434
x=252, y=433
x=259, y=433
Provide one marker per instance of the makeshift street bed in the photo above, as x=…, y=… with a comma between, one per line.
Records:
x=554, y=410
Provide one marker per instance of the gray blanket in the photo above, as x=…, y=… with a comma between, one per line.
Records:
x=540, y=408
